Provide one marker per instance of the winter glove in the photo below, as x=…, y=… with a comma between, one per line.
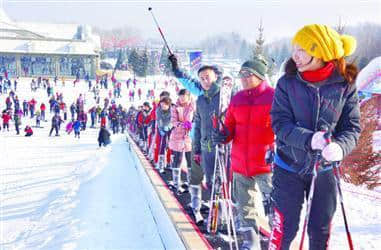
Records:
x=269, y=156
x=197, y=159
x=333, y=152
x=166, y=128
x=187, y=125
x=218, y=137
x=318, y=141
x=162, y=132
x=175, y=65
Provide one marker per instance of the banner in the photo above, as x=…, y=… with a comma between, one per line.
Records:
x=195, y=59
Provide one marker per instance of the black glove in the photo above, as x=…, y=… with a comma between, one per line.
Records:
x=173, y=59
x=269, y=156
x=219, y=137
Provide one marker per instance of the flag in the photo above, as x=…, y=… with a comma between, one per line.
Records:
x=195, y=59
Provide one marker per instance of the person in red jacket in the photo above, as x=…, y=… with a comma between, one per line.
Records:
x=28, y=131
x=143, y=120
x=157, y=137
x=43, y=108
x=6, y=117
x=247, y=124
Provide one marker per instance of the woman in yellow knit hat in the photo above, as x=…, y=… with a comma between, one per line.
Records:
x=316, y=94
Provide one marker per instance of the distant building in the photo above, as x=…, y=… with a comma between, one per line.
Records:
x=41, y=49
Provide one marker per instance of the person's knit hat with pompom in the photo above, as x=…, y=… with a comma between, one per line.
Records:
x=323, y=42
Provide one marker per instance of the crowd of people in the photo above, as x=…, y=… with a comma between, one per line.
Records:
x=76, y=116
x=278, y=136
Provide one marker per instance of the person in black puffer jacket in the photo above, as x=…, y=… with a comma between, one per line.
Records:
x=103, y=137
x=316, y=94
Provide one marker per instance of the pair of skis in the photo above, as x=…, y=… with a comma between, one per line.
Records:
x=220, y=200
x=221, y=205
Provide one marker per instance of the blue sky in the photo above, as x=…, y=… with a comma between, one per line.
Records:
x=189, y=21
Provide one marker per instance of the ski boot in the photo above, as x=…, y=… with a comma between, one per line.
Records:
x=161, y=164
x=195, y=192
x=250, y=239
x=176, y=177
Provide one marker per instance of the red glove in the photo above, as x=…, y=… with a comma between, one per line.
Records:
x=214, y=121
x=197, y=159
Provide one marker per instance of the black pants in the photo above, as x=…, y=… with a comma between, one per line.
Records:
x=17, y=128
x=178, y=157
x=53, y=128
x=289, y=192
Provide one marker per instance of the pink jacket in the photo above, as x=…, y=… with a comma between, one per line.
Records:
x=180, y=139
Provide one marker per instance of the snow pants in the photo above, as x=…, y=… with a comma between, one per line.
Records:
x=289, y=192
x=161, y=147
x=206, y=168
x=244, y=190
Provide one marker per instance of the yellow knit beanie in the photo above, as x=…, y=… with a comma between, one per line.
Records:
x=323, y=42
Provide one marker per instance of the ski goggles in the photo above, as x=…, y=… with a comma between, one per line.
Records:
x=245, y=74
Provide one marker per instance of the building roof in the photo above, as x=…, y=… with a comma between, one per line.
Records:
x=46, y=47
x=46, y=38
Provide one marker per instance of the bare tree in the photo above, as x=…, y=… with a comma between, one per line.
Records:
x=363, y=165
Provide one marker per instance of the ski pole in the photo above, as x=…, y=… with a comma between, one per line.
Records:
x=317, y=156
x=310, y=196
x=338, y=186
x=212, y=195
x=161, y=33
x=228, y=202
x=328, y=136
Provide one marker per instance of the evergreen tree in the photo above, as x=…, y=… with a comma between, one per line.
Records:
x=143, y=64
x=120, y=61
x=258, y=50
x=165, y=64
x=134, y=61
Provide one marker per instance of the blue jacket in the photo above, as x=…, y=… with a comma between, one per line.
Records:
x=206, y=105
x=191, y=84
x=301, y=108
x=77, y=126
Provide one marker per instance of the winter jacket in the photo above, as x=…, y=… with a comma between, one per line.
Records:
x=28, y=130
x=6, y=118
x=180, y=139
x=248, y=122
x=301, y=108
x=25, y=105
x=143, y=118
x=193, y=85
x=77, y=126
x=32, y=103
x=103, y=121
x=163, y=119
x=206, y=106
x=104, y=136
x=17, y=119
x=56, y=120
x=69, y=127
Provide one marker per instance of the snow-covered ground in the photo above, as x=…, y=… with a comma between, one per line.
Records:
x=66, y=193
